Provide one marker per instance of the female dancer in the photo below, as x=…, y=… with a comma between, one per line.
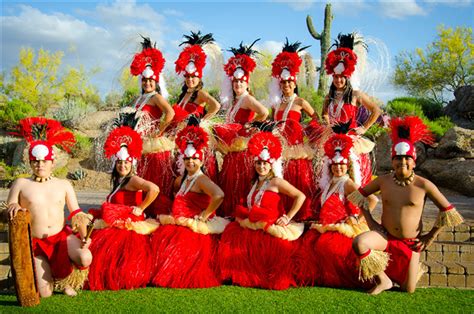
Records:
x=288, y=108
x=155, y=114
x=194, y=99
x=257, y=249
x=185, y=245
x=325, y=255
x=121, y=246
x=342, y=102
x=233, y=136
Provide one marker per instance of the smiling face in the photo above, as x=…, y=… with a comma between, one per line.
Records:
x=192, y=165
x=263, y=167
x=339, y=81
x=191, y=81
x=403, y=166
x=338, y=170
x=123, y=167
x=239, y=86
x=287, y=87
x=42, y=168
x=148, y=85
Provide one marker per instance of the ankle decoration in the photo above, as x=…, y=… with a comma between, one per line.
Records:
x=449, y=217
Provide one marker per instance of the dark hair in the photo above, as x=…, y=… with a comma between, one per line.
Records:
x=115, y=177
x=157, y=88
x=185, y=174
x=184, y=89
x=346, y=96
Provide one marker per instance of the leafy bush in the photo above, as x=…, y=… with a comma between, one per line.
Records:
x=375, y=131
x=13, y=111
x=83, y=146
x=440, y=126
x=405, y=106
x=432, y=110
x=129, y=96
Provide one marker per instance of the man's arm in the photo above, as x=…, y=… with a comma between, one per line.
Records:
x=367, y=205
x=79, y=219
x=13, y=199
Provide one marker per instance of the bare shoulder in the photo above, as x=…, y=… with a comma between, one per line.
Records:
x=20, y=182
x=424, y=183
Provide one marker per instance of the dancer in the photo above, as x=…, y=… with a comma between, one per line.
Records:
x=400, y=233
x=257, y=249
x=121, y=245
x=155, y=114
x=60, y=257
x=242, y=108
x=288, y=107
x=185, y=246
x=194, y=99
x=325, y=255
x=342, y=102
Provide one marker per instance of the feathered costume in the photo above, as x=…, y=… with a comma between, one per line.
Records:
x=254, y=251
x=42, y=135
x=325, y=256
x=120, y=244
x=185, y=248
x=232, y=136
x=156, y=165
x=191, y=61
x=342, y=61
x=298, y=155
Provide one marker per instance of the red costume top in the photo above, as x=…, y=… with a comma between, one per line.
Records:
x=153, y=110
x=269, y=211
x=342, y=115
x=293, y=131
x=124, y=197
x=334, y=210
x=243, y=116
x=190, y=204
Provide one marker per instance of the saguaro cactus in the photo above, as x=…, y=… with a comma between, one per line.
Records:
x=325, y=38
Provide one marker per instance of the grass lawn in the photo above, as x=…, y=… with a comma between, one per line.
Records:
x=236, y=299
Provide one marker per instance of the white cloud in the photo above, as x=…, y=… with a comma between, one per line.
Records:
x=188, y=26
x=274, y=47
x=349, y=8
x=172, y=12
x=401, y=9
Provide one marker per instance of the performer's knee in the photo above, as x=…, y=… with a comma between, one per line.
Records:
x=360, y=245
x=86, y=258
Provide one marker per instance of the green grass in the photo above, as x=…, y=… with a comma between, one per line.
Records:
x=235, y=299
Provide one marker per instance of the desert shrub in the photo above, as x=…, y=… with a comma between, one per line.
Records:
x=129, y=96
x=60, y=172
x=72, y=112
x=83, y=146
x=431, y=110
x=375, y=131
x=13, y=111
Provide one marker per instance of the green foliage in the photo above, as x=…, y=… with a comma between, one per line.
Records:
x=129, y=84
x=13, y=111
x=77, y=174
x=231, y=299
x=83, y=146
x=375, y=131
x=214, y=92
x=112, y=101
x=404, y=106
x=440, y=126
x=313, y=97
x=60, y=172
x=10, y=173
x=443, y=66
x=261, y=76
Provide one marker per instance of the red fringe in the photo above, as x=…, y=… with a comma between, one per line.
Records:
x=256, y=259
x=183, y=258
x=158, y=168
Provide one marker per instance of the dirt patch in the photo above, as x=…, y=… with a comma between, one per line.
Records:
x=93, y=181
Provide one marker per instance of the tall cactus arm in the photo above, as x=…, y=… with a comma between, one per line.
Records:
x=312, y=31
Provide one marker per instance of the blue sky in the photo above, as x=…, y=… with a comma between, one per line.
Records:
x=105, y=34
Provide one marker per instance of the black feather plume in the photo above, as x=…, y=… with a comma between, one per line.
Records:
x=197, y=39
x=294, y=47
x=341, y=127
x=245, y=50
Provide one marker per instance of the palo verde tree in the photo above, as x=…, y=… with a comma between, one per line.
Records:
x=438, y=70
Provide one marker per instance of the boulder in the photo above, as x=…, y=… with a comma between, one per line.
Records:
x=457, y=142
x=456, y=174
x=461, y=109
x=94, y=121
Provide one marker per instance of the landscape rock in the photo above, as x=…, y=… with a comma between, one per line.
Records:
x=461, y=109
x=457, y=142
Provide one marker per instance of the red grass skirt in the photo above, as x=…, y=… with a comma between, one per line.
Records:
x=183, y=258
x=158, y=168
x=121, y=260
x=300, y=173
x=365, y=168
x=210, y=165
x=328, y=260
x=253, y=258
x=235, y=180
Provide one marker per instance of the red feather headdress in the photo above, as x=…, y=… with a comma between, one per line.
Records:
x=191, y=60
x=124, y=143
x=149, y=63
x=265, y=146
x=286, y=66
x=337, y=148
x=42, y=134
x=240, y=66
x=405, y=132
x=342, y=60
x=191, y=141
